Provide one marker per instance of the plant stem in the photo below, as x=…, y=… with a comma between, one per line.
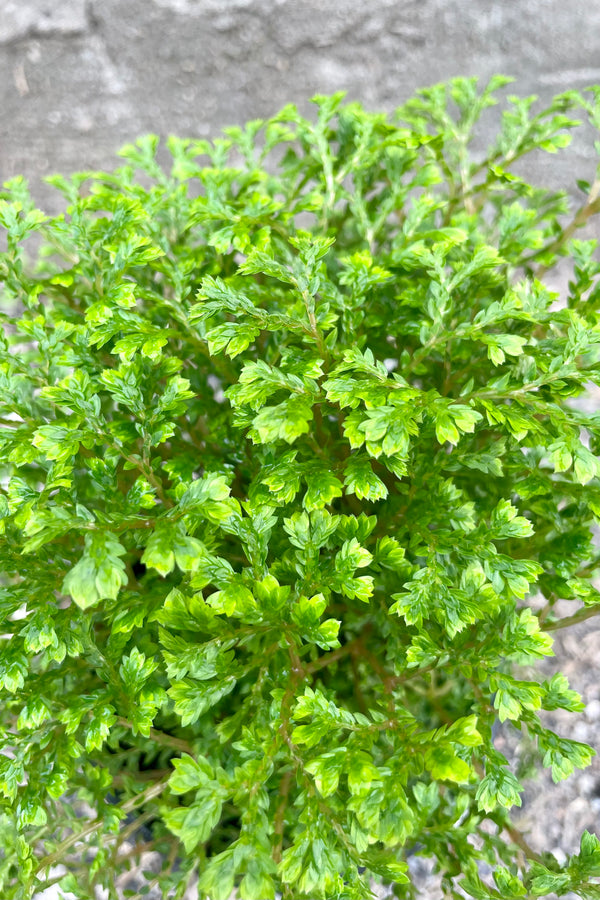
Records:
x=150, y=793
x=279, y=821
x=160, y=737
x=585, y=212
x=588, y=612
x=518, y=838
x=329, y=658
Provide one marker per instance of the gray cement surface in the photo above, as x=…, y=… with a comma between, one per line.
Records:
x=78, y=78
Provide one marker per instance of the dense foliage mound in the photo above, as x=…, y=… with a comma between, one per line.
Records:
x=294, y=474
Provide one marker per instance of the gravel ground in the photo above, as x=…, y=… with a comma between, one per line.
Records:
x=554, y=816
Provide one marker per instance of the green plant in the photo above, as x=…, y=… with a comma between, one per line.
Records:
x=290, y=451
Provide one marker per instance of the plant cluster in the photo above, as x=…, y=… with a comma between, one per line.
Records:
x=293, y=474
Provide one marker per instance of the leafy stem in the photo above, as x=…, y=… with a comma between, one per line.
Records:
x=588, y=612
x=146, y=796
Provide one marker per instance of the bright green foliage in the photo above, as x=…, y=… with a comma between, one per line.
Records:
x=290, y=438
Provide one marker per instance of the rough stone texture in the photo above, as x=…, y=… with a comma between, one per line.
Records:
x=39, y=18
x=554, y=815
x=78, y=78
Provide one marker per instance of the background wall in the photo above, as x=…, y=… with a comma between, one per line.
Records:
x=78, y=78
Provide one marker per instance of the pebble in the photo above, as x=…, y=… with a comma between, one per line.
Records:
x=559, y=854
x=581, y=731
x=592, y=711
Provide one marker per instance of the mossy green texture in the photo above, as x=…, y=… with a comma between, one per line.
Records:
x=290, y=438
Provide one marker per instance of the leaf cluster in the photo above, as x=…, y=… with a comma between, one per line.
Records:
x=294, y=472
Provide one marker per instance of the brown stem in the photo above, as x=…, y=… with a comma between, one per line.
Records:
x=160, y=737
x=279, y=821
x=324, y=808
x=587, y=612
x=591, y=207
x=387, y=680
x=309, y=304
x=588, y=570
x=323, y=439
x=395, y=680
x=153, y=775
x=329, y=658
x=150, y=477
x=518, y=838
x=138, y=464
x=151, y=792
x=137, y=850
x=360, y=698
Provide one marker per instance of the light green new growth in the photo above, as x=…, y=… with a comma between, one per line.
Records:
x=290, y=438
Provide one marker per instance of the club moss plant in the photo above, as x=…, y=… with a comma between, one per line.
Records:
x=294, y=472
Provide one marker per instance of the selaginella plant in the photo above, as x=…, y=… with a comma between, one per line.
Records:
x=294, y=473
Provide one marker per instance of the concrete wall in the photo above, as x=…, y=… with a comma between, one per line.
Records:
x=78, y=78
